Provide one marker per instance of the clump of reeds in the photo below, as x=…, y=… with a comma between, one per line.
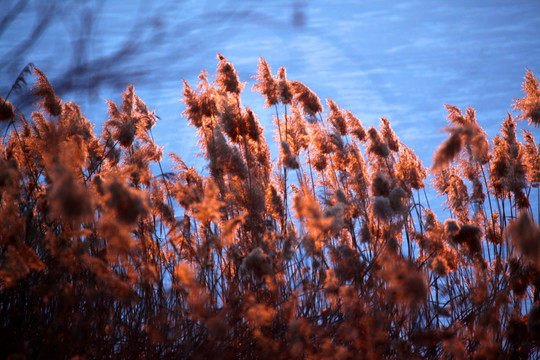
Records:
x=330, y=251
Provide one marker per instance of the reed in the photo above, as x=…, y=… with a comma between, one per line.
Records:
x=327, y=252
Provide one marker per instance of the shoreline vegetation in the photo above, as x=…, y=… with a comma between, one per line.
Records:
x=331, y=251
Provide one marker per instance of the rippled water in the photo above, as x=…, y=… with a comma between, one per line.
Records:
x=400, y=60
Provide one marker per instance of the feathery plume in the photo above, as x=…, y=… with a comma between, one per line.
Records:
x=319, y=160
x=477, y=195
x=440, y=266
x=336, y=117
x=451, y=227
x=258, y=263
x=43, y=89
x=227, y=77
x=479, y=144
x=297, y=132
x=382, y=208
x=531, y=159
x=285, y=94
x=125, y=127
x=398, y=198
x=337, y=142
x=508, y=131
x=530, y=104
x=410, y=169
x=201, y=104
x=376, y=145
x=381, y=185
x=231, y=118
x=526, y=236
x=471, y=237
x=69, y=199
x=331, y=283
x=253, y=129
x=407, y=284
x=308, y=101
x=128, y=204
x=193, y=109
x=21, y=79
x=365, y=233
x=287, y=157
x=355, y=126
x=507, y=169
x=225, y=158
x=209, y=207
x=321, y=140
x=448, y=150
x=457, y=196
x=500, y=165
x=266, y=83
x=389, y=136
x=475, y=137
x=465, y=132
x=360, y=178
x=274, y=202
x=455, y=116
x=430, y=220
x=308, y=210
x=6, y=110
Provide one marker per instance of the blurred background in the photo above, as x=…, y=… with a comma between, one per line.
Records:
x=400, y=60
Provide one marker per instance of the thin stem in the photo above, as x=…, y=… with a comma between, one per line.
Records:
x=169, y=197
x=285, y=190
x=311, y=172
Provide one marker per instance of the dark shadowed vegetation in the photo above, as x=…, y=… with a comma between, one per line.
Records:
x=330, y=251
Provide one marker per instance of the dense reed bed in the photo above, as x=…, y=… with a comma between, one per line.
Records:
x=331, y=251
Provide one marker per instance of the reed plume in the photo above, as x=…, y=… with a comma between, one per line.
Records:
x=530, y=104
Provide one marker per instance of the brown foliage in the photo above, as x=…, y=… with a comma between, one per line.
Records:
x=101, y=258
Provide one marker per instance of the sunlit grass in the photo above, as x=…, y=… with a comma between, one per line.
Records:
x=331, y=251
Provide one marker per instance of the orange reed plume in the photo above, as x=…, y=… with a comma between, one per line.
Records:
x=43, y=89
x=530, y=104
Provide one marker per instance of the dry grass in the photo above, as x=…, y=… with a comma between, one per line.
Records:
x=328, y=252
